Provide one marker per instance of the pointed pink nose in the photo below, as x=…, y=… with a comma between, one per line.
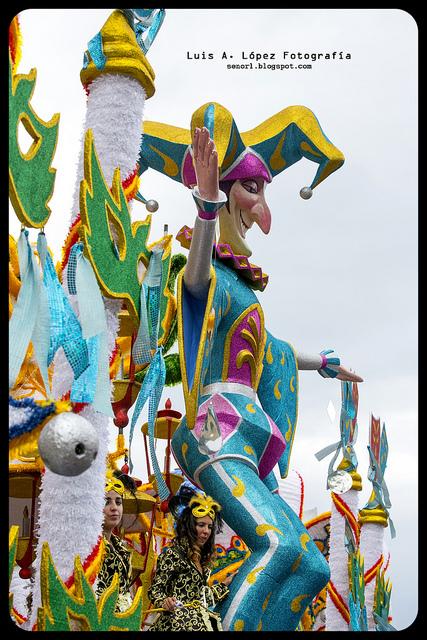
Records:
x=260, y=213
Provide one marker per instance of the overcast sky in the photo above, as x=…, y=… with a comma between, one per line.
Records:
x=343, y=265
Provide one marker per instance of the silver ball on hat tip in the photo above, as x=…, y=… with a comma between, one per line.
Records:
x=306, y=193
x=68, y=444
x=151, y=205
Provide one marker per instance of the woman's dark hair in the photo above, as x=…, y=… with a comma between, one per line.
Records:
x=129, y=485
x=186, y=523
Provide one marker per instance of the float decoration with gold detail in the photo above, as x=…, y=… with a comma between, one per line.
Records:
x=374, y=517
x=31, y=176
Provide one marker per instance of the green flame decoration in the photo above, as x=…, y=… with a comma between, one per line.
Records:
x=61, y=610
x=31, y=177
x=115, y=245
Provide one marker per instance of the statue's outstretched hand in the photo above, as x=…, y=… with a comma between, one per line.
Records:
x=348, y=376
x=205, y=157
x=332, y=368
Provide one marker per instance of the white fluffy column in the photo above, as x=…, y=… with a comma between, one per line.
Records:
x=71, y=508
x=372, y=523
x=345, y=505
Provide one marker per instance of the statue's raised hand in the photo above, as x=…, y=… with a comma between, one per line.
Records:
x=205, y=158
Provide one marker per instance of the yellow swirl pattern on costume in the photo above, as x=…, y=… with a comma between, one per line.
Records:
x=282, y=361
x=265, y=603
x=296, y=602
x=288, y=434
x=249, y=450
x=262, y=529
x=277, y=162
x=291, y=384
x=296, y=563
x=239, y=625
x=277, y=393
x=306, y=147
x=170, y=167
x=304, y=539
x=227, y=309
x=184, y=450
x=269, y=355
x=250, y=407
x=252, y=575
x=240, y=487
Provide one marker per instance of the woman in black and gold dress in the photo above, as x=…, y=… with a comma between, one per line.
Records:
x=117, y=557
x=180, y=586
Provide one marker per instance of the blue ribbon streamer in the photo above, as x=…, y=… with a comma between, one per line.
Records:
x=66, y=331
x=41, y=334
x=23, y=318
x=96, y=52
x=146, y=24
x=141, y=352
x=152, y=387
x=30, y=317
x=381, y=493
x=93, y=385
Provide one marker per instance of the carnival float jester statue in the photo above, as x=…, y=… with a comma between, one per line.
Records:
x=240, y=383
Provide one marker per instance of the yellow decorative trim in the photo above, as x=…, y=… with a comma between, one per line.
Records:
x=253, y=337
x=377, y=515
x=249, y=450
x=239, y=625
x=356, y=477
x=250, y=407
x=26, y=443
x=277, y=393
x=123, y=54
x=191, y=397
x=35, y=466
x=296, y=386
x=269, y=355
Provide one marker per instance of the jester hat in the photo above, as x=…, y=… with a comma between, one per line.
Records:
x=265, y=151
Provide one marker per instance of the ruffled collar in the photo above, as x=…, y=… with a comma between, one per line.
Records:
x=253, y=275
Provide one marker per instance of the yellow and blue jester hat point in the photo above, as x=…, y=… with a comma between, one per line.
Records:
x=265, y=151
x=202, y=506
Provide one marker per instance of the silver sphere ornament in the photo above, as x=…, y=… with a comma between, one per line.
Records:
x=306, y=193
x=151, y=205
x=340, y=481
x=68, y=444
